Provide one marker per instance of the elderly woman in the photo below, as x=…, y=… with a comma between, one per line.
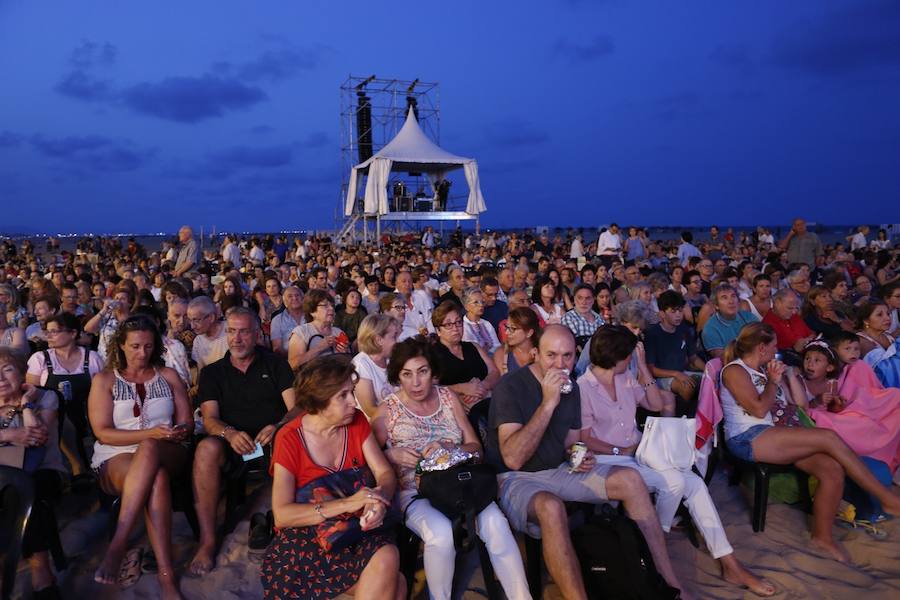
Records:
x=465, y=367
x=751, y=391
x=318, y=335
x=610, y=395
x=377, y=337
x=29, y=432
x=820, y=315
x=393, y=304
x=417, y=420
x=140, y=414
x=65, y=361
x=544, y=301
x=106, y=322
x=475, y=328
x=329, y=446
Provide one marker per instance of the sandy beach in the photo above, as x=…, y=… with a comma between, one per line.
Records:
x=781, y=554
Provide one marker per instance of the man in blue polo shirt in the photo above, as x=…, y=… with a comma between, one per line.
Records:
x=726, y=323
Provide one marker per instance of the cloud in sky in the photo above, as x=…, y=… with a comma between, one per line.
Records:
x=9, y=139
x=601, y=45
x=515, y=132
x=90, y=54
x=94, y=152
x=191, y=99
x=862, y=35
x=82, y=85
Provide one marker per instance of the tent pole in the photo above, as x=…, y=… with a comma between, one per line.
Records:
x=378, y=230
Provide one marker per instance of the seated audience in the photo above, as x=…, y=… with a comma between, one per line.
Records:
x=671, y=348
x=377, y=337
x=727, y=321
x=328, y=438
x=476, y=329
x=415, y=421
x=792, y=331
x=318, y=336
x=759, y=302
x=819, y=313
x=520, y=349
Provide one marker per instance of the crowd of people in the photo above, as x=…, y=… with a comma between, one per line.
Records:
x=342, y=366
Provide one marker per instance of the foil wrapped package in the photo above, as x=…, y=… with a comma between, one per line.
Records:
x=442, y=459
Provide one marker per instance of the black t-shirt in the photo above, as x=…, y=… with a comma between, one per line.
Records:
x=247, y=401
x=670, y=351
x=515, y=400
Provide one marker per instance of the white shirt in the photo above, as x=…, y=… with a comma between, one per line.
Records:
x=419, y=316
x=257, y=255
x=858, y=241
x=609, y=243
x=208, y=350
x=232, y=254
x=367, y=369
x=481, y=334
x=577, y=249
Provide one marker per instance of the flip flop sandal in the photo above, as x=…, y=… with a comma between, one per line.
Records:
x=148, y=562
x=867, y=526
x=130, y=570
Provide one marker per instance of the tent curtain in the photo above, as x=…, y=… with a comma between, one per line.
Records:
x=350, y=203
x=376, y=199
x=475, y=204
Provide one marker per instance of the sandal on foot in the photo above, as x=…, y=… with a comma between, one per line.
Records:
x=130, y=570
x=148, y=562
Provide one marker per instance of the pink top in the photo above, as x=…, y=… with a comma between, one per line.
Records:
x=408, y=430
x=611, y=421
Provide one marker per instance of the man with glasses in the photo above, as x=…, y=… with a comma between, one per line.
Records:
x=707, y=270
x=632, y=276
x=244, y=397
x=798, y=281
x=418, y=304
x=210, y=344
x=68, y=297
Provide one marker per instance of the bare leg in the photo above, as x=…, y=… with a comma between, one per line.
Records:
x=559, y=554
x=734, y=572
x=381, y=577
x=208, y=459
x=627, y=485
x=782, y=445
x=828, y=498
x=158, y=516
x=131, y=475
x=41, y=575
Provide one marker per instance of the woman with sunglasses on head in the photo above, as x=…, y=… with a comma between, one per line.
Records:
x=140, y=414
x=520, y=350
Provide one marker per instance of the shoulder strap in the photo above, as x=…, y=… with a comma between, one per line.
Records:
x=86, y=368
x=47, y=362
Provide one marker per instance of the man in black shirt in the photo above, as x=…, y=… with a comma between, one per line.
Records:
x=532, y=425
x=243, y=396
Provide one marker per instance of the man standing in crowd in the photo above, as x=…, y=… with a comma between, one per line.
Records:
x=188, y=254
x=801, y=245
x=609, y=245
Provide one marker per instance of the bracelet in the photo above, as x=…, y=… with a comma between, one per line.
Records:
x=224, y=431
x=651, y=382
x=318, y=508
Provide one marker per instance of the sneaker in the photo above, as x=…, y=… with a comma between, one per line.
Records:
x=260, y=532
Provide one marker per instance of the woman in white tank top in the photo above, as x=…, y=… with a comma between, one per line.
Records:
x=140, y=415
x=751, y=387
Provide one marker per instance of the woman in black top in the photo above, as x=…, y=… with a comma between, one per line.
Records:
x=465, y=368
x=820, y=315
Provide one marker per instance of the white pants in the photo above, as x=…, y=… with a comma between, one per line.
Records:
x=436, y=532
x=671, y=486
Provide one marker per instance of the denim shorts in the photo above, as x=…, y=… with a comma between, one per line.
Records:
x=741, y=445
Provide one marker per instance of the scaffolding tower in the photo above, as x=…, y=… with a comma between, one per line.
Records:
x=388, y=101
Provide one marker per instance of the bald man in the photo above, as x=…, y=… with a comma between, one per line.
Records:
x=532, y=424
x=802, y=246
x=188, y=254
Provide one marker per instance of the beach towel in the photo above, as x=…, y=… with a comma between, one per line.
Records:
x=709, y=413
x=870, y=422
x=886, y=364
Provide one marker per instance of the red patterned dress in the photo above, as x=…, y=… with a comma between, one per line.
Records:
x=295, y=566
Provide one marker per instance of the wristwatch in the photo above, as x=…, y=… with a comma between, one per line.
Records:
x=616, y=450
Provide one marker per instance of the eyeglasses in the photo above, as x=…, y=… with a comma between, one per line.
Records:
x=198, y=319
x=452, y=324
x=510, y=328
x=400, y=307
x=50, y=332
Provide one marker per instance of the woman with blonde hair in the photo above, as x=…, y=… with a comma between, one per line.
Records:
x=377, y=337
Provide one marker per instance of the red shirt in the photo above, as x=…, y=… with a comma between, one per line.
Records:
x=789, y=331
x=290, y=451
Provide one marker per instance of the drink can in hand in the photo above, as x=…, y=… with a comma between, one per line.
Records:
x=579, y=451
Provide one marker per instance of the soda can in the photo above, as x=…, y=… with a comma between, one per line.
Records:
x=579, y=451
x=65, y=388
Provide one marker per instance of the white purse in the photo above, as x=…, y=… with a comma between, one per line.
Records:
x=667, y=443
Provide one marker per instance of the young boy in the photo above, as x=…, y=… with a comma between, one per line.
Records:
x=671, y=351
x=846, y=346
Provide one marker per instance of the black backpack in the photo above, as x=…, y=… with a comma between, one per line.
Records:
x=616, y=562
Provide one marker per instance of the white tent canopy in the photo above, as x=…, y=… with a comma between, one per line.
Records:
x=410, y=151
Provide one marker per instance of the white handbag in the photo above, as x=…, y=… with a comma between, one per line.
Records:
x=667, y=443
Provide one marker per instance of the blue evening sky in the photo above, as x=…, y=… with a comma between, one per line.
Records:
x=140, y=116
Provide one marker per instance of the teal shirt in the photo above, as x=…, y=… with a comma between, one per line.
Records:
x=718, y=331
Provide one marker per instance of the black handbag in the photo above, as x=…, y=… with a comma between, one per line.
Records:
x=461, y=493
